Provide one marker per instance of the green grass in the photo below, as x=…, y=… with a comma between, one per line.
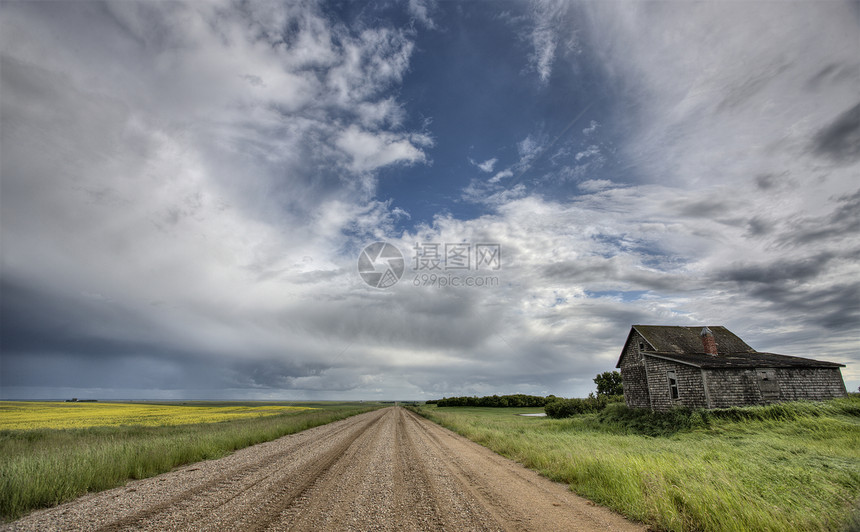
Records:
x=44, y=467
x=787, y=467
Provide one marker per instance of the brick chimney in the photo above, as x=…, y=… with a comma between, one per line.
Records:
x=708, y=342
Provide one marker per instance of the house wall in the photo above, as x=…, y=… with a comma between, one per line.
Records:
x=633, y=374
x=740, y=387
x=732, y=387
x=814, y=384
x=691, y=389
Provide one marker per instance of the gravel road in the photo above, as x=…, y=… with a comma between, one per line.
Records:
x=384, y=470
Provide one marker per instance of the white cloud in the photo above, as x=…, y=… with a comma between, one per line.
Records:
x=596, y=185
x=592, y=127
x=546, y=16
x=591, y=151
x=528, y=149
x=504, y=174
x=369, y=151
x=421, y=9
x=488, y=165
x=719, y=100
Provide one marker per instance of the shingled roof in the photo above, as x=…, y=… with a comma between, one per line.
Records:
x=674, y=339
x=684, y=345
x=744, y=360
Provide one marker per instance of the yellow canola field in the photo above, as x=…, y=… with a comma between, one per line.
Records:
x=15, y=415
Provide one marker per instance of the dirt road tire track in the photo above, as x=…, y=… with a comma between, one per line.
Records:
x=384, y=470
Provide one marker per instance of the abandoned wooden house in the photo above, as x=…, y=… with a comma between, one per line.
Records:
x=710, y=367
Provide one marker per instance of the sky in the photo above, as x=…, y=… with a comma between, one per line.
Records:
x=187, y=190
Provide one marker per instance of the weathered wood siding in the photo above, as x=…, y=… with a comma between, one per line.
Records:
x=691, y=389
x=735, y=387
x=740, y=387
x=815, y=384
x=633, y=375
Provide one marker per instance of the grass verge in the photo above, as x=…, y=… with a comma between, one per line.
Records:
x=45, y=467
x=788, y=467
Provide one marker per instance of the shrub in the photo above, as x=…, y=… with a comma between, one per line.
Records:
x=561, y=408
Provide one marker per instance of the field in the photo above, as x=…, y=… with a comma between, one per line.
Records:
x=784, y=467
x=15, y=415
x=112, y=443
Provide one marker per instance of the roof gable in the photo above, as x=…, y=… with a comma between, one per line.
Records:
x=626, y=343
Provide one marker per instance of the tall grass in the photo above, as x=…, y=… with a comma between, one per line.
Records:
x=787, y=467
x=44, y=467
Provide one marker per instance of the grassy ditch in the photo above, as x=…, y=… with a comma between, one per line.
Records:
x=44, y=467
x=787, y=467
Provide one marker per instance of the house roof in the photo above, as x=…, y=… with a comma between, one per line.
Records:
x=672, y=339
x=684, y=345
x=744, y=360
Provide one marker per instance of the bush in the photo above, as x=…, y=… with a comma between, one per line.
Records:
x=561, y=408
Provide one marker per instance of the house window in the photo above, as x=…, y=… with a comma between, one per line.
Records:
x=641, y=346
x=673, y=384
x=768, y=384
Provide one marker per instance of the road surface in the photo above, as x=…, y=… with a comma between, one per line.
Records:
x=384, y=470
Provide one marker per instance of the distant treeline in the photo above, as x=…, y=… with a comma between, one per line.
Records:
x=501, y=401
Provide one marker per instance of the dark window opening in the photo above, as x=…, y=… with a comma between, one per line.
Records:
x=641, y=346
x=768, y=384
x=673, y=384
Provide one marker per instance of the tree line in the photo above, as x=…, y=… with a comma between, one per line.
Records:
x=609, y=390
x=499, y=401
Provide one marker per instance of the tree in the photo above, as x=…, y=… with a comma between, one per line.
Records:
x=609, y=383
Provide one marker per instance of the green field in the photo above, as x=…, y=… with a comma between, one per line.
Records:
x=114, y=442
x=789, y=467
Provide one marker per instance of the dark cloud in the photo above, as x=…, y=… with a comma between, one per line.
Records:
x=840, y=141
x=77, y=340
x=835, y=307
x=579, y=271
x=35, y=320
x=843, y=221
x=771, y=181
x=706, y=207
x=833, y=73
x=757, y=226
x=749, y=87
x=778, y=271
x=794, y=289
x=595, y=270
